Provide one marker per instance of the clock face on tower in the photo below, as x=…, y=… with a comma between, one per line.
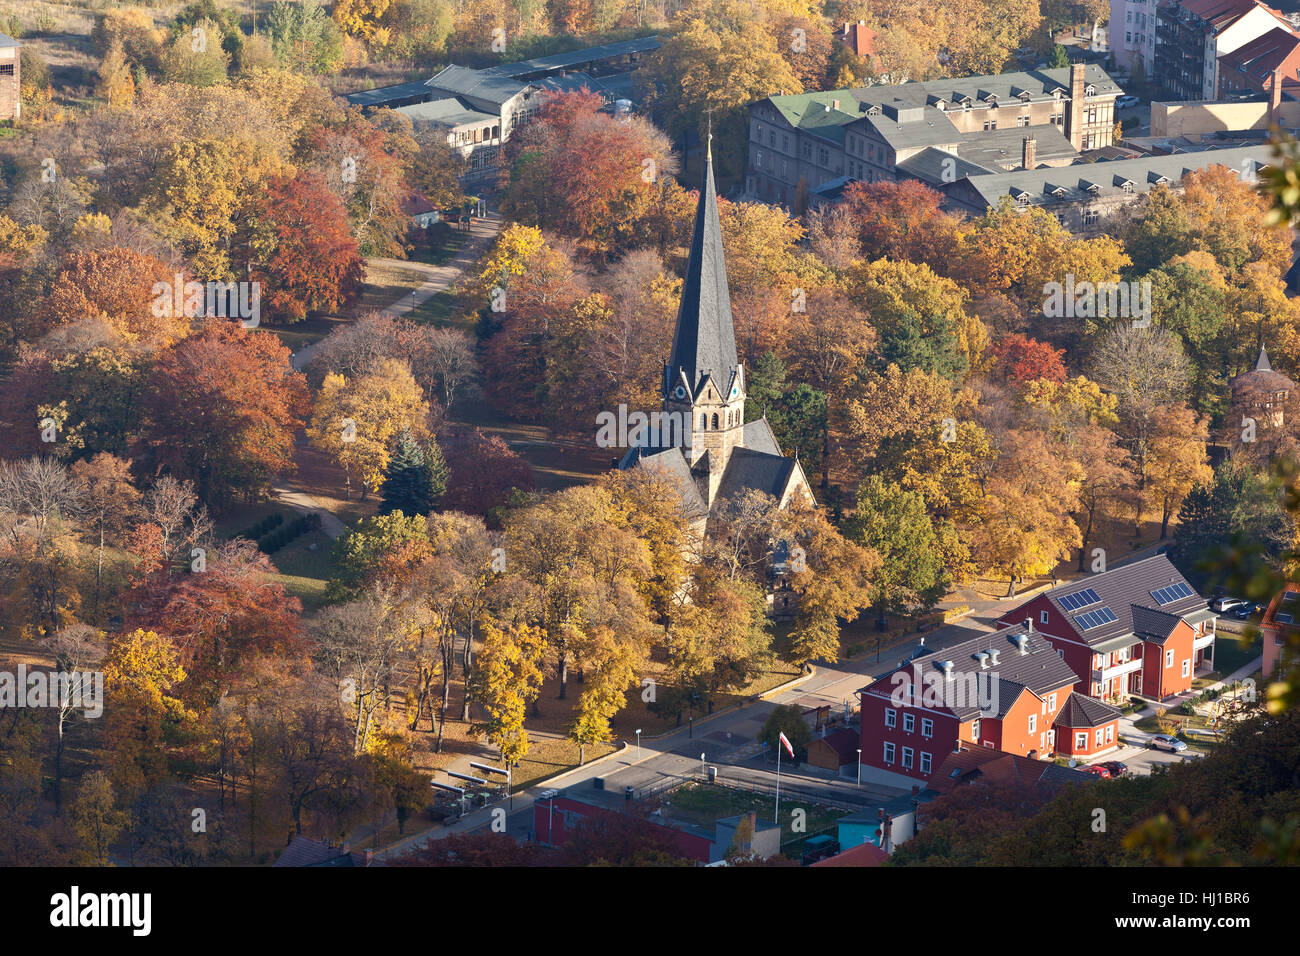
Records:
x=680, y=392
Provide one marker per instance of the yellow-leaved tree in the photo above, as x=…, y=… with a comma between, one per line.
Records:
x=358, y=420
x=507, y=679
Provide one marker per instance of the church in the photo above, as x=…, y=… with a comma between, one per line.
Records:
x=708, y=449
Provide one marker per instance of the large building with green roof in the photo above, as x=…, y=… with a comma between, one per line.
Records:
x=938, y=130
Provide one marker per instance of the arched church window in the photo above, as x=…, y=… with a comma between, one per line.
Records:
x=704, y=423
x=715, y=421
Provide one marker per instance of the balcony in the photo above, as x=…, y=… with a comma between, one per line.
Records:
x=1101, y=675
x=1202, y=642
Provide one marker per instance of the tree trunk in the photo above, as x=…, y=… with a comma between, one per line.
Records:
x=564, y=674
x=1011, y=587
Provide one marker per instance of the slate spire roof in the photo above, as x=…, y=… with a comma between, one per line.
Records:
x=705, y=340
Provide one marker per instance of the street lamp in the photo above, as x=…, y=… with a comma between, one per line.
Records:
x=638, y=742
x=703, y=772
x=859, y=766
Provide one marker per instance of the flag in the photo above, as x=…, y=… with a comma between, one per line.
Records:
x=786, y=741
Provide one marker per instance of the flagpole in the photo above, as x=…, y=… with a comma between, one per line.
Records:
x=776, y=811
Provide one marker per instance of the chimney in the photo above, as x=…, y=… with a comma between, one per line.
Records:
x=835, y=104
x=1074, y=118
x=1029, y=624
x=1275, y=100
x=1029, y=153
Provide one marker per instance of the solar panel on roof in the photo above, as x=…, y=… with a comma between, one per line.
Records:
x=1102, y=615
x=1072, y=602
x=1282, y=618
x=1171, y=593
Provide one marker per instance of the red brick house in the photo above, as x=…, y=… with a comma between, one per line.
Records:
x=1086, y=727
x=1000, y=691
x=1139, y=628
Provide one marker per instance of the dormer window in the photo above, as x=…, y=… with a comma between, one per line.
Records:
x=1022, y=199
x=1090, y=90
x=873, y=111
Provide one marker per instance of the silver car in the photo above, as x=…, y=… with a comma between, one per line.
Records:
x=1166, y=742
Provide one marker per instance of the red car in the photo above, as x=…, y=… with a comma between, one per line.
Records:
x=1099, y=770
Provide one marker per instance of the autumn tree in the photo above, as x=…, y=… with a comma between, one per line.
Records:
x=1177, y=460
x=895, y=525
x=507, y=679
x=831, y=579
x=311, y=262
x=482, y=472
x=221, y=408
x=358, y=420
x=1025, y=525
x=117, y=286
x=110, y=500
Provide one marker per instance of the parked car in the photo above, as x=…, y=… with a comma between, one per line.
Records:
x=1117, y=768
x=1226, y=604
x=1099, y=770
x=1125, y=102
x=1166, y=742
x=1245, y=610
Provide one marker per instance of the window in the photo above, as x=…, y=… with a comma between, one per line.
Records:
x=925, y=762
x=1110, y=734
x=889, y=753
x=1101, y=736
x=1169, y=658
x=891, y=717
x=909, y=723
x=1042, y=617
x=1080, y=741
x=715, y=421
x=704, y=423
x=1051, y=702
x=7, y=69
x=1187, y=668
x=975, y=730
x=907, y=758
x=1090, y=217
x=927, y=727
x=1033, y=723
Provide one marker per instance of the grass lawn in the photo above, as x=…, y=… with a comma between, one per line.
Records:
x=548, y=757
x=455, y=243
x=386, y=283
x=304, y=564
x=438, y=309
x=704, y=804
x=301, y=334
x=1230, y=653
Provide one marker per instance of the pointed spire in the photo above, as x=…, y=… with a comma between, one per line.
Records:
x=705, y=338
x=1262, y=364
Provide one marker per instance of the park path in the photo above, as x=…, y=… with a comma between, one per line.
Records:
x=438, y=278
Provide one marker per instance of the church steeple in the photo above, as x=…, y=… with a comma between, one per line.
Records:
x=705, y=340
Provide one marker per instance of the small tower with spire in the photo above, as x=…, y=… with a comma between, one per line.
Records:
x=704, y=445
x=704, y=381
